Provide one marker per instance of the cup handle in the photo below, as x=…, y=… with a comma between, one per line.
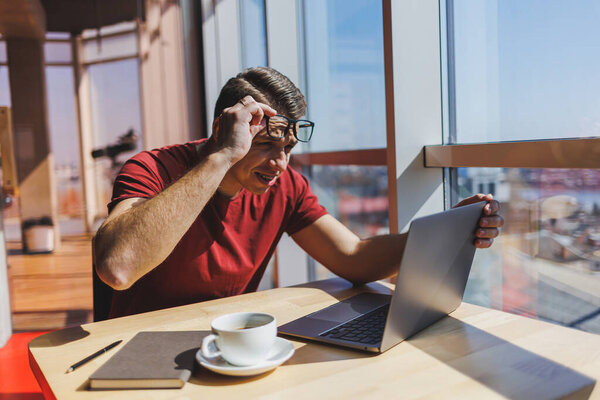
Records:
x=206, y=352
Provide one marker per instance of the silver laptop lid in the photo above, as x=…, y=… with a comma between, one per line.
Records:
x=433, y=272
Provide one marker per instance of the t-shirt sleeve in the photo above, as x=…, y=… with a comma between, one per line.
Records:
x=148, y=173
x=136, y=179
x=307, y=208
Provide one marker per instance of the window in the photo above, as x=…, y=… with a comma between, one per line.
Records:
x=253, y=35
x=57, y=52
x=522, y=71
x=345, y=93
x=547, y=262
x=106, y=48
x=525, y=69
x=342, y=76
x=344, y=86
x=110, y=103
x=3, y=58
x=4, y=86
x=115, y=106
x=64, y=142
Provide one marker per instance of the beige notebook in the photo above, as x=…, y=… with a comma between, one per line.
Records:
x=150, y=360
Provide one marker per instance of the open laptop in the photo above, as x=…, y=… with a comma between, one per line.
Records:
x=431, y=282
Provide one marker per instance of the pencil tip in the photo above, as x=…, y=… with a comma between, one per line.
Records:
x=69, y=370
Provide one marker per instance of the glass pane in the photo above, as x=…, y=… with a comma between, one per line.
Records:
x=4, y=87
x=355, y=195
x=253, y=36
x=3, y=57
x=57, y=52
x=526, y=69
x=345, y=74
x=546, y=264
x=64, y=141
x=115, y=103
x=111, y=47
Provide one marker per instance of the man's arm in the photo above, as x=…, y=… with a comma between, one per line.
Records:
x=139, y=234
x=364, y=260
x=332, y=244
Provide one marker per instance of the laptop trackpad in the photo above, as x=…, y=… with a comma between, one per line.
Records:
x=352, y=307
x=342, y=312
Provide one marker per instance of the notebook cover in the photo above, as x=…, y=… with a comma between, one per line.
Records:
x=150, y=360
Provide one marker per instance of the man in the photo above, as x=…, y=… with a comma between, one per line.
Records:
x=201, y=220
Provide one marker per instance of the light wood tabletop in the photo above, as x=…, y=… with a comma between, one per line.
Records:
x=475, y=353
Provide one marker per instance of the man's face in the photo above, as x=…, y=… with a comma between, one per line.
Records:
x=266, y=160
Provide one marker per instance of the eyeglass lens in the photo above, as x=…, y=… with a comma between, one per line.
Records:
x=279, y=126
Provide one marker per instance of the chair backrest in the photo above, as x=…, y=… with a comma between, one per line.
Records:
x=102, y=293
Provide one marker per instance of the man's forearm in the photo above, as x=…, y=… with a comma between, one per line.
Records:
x=341, y=251
x=134, y=242
x=376, y=258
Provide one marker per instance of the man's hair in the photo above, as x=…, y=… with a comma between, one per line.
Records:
x=265, y=85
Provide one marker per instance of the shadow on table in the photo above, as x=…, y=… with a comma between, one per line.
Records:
x=58, y=338
x=342, y=289
x=311, y=354
x=205, y=377
x=302, y=355
x=505, y=368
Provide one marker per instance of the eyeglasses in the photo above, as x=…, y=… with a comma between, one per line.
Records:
x=279, y=126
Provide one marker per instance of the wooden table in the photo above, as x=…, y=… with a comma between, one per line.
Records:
x=474, y=353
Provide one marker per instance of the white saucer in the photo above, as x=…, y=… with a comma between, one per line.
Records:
x=282, y=350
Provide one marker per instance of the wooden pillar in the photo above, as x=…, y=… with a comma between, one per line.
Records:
x=35, y=164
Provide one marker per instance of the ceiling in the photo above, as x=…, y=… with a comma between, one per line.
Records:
x=77, y=15
x=32, y=18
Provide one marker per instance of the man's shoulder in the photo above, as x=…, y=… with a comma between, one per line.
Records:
x=188, y=148
x=185, y=153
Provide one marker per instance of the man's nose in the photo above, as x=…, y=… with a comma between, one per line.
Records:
x=279, y=160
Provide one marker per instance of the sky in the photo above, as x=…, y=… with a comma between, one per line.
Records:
x=527, y=69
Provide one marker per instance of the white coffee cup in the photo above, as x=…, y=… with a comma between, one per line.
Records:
x=242, y=339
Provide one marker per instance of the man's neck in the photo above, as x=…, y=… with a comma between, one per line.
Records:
x=228, y=187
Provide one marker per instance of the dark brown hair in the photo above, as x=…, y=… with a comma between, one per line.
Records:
x=265, y=85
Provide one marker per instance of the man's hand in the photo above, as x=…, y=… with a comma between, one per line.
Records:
x=489, y=222
x=234, y=129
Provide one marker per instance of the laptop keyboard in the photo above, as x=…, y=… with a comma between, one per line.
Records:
x=366, y=329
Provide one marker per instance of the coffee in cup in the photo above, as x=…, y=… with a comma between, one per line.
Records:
x=242, y=339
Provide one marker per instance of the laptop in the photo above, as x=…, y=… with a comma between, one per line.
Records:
x=432, y=277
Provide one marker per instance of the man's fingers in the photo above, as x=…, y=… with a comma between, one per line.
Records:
x=475, y=199
x=255, y=129
x=487, y=233
x=483, y=243
x=257, y=111
x=494, y=221
x=492, y=207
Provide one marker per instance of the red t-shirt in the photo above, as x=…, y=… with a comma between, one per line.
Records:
x=226, y=250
